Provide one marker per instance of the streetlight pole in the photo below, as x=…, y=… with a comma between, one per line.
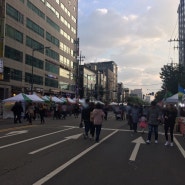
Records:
x=33, y=50
x=79, y=61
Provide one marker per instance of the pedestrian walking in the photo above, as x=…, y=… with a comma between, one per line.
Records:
x=17, y=109
x=30, y=112
x=143, y=123
x=76, y=109
x=42, y=113
x=128, y=115
x=135, y=117
x=98, y=116
x=169, y=115
x=85, y=118
x=153, y=117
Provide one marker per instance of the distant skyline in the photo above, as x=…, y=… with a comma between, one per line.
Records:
x=132, y=33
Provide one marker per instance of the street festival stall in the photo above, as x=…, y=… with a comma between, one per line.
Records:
x=21, y=97
x=178, y=100
x=9, y=102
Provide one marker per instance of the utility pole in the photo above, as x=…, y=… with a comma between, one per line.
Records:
x=80, y=58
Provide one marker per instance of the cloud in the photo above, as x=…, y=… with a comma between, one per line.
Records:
x=133, y=34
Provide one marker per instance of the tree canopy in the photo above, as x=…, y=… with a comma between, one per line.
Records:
x=172, y=75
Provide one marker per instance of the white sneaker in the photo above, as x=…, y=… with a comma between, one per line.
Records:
x=148, y=142
x=156, y=141
x=166, y=144
x=171, y=144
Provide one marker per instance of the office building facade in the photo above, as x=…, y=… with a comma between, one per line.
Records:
x=38, y=47
x=109, y=69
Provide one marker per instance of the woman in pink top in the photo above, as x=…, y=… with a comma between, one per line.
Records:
x=98, y=116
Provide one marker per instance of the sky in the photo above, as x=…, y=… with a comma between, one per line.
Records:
x=134, y=34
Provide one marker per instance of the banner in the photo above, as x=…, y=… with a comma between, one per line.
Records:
x=181, y=93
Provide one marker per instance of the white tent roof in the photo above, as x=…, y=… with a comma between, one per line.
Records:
x=35, y=98
x=55, y=99
x=172, y=99
x=20, y=97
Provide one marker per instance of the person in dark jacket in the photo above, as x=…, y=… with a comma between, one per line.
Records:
x=135, y=117
x=153, y=117
x=42, y=113
x=169, y=115
x=17, y=110
x=86, y=118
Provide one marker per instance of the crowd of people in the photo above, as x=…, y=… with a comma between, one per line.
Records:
x=152, y=116
x=92, y=116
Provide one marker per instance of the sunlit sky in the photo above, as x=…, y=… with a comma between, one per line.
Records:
x=134, y=34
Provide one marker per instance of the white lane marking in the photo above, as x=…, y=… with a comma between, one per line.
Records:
x=180, y=147
x=23, y=141
x=138, y=142
x=62, y=167
x=14, y=133
x=54, y=144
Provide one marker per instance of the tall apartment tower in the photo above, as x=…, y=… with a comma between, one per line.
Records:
x=38, y=46
x=181, y=18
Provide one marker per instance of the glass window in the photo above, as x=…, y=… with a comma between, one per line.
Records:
x=35, y=9
x=51, y=68
x=15, y=14
x=14, y=34
x=36, y=62
x=36, y=79
x=13, y=54
x=34, y=44
x=51, y=82
x=34, y=27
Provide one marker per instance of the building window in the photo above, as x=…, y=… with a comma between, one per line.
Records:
x=53, y=24
x=16, y=75
x=51, y=83
x=36, y=79
x=14, y=34
x=52, y=39
x=36, y=62
x=34, y=27
x=35, y=9
x=13, y=54
x=16, y=15
x=51, y=68
x=34, y=44
x=52, y=54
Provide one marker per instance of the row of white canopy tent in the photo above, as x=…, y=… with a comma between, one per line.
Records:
x=34, y=98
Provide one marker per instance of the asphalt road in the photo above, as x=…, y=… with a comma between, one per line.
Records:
x=56, y=154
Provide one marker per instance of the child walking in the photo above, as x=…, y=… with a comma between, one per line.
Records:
x=143, y=123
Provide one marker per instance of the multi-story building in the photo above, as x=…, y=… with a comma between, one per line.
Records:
x=109, y=68
x=38, y=46
x=87, y=82
x=137, y=92
x=181, y=18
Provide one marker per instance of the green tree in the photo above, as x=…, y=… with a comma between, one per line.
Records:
x=172, y=75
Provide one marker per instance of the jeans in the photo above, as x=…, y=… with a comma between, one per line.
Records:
x=168, y=126
x=98, y=130
x=87, y=127
x=152, y=128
